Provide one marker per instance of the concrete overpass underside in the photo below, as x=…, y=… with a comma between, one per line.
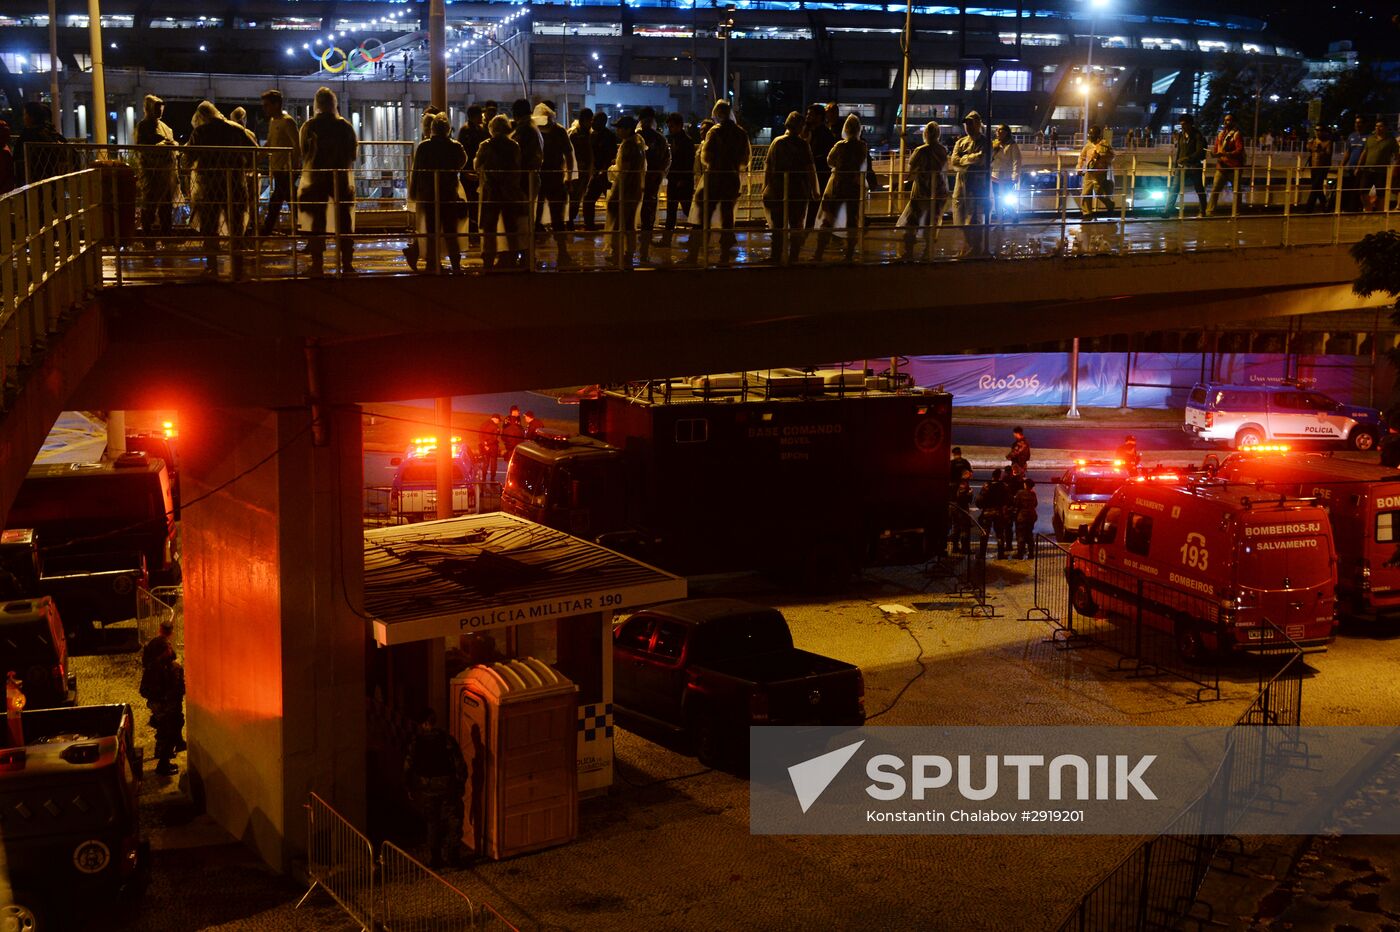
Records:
x=274, y=344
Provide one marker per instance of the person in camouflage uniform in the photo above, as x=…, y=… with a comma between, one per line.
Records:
x=1025, y=504
x=435, y=774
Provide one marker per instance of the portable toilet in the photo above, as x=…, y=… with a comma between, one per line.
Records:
x=516, y=721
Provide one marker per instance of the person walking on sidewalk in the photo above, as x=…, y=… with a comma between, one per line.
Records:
x=1025, y=504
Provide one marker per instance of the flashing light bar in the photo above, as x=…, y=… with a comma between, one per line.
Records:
x=169, y=428
x=1266, y=448
x=422, y=446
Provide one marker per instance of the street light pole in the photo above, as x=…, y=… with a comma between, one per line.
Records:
x=725, y=27
x=904, y=95
x=437, y=53
x=54, y=107
x=99, y=75
x=1089, y=72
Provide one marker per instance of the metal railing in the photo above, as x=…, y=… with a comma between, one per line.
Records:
x=157, y=605
x=50, y=235
x=394, y=892
x=340, y=860
x=1050, y=583
x=1155, y=886
x=219, y=212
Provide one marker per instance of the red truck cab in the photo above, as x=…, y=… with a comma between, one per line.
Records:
x=1362, y=501
x=1205, y=552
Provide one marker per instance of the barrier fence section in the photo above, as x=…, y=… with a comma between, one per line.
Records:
x=417, y=899
x=1156, y=884
x=1154, y=627
x=241, y=212
x=966, y=565
x=394, y=892
x=340, y=860
x=157, y=605
x=50, y=236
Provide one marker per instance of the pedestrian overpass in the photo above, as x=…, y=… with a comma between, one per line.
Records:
x=267, y=372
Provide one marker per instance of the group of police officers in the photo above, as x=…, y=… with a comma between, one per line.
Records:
x=1006, y=503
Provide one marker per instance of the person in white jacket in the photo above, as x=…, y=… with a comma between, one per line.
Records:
x=1006, y=175
x=971, y=166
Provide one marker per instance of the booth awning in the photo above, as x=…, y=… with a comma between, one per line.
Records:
x=481, y=572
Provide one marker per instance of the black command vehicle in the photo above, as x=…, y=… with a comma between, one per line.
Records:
x=68, y=818
x=802, y=473
x=710, y=668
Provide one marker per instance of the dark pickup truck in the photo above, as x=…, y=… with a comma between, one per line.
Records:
x=71, y=833
x=713, y=667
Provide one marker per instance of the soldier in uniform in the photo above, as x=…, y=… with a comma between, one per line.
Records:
x=163, y=687
x=435, y=774
x=957, y=466
x=489, y=437
x=1020, y=452
x=991, y=503
x=1025, y=504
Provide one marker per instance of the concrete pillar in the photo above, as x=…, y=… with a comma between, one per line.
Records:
x=275, y=650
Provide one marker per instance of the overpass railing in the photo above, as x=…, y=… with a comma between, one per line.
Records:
x=50, y=235
x=240, y=213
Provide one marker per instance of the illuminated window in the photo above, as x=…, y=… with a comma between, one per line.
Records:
x=930, y=79
x=1032, y=38
x=1011, y=80
x=1385, y=527
x=970, y=76
x=1251, y=49
x=1212, y=45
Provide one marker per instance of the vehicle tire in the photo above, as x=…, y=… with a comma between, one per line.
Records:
x=1248, y=436
x=25, y=913
x=1190, y=646
x=1081, y=598
x=707, y=740
x=1362, y=439
x=1059, y=528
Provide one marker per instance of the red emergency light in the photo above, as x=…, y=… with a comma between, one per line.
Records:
x=1265, y=448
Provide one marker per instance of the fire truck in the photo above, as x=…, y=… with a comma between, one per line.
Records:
x=1213, y=564
x=1363, y=502
x=813, y=472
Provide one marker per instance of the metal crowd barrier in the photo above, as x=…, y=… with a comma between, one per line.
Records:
x=1050, y=584
x=418, y=899
x=340, y=860
x=394, y=892
x=966, y=565
x=1120, y=603
x=1155, y=886
x=157, y=605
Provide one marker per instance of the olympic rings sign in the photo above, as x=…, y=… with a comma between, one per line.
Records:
x=359, y=59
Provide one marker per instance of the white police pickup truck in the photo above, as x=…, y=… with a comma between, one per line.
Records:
x=1245, y=415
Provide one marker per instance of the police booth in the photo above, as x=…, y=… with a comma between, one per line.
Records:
x=444, y=596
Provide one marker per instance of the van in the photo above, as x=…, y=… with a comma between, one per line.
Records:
x=1362, y=501
x=119, y=508
x=1245, y=415
x=1212, y=564
x=34, y=646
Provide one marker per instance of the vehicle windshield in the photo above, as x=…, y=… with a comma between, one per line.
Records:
x=1097, y=485
x=527, y=476
x=1286, y=562
x=743, y=636
x=27, y=644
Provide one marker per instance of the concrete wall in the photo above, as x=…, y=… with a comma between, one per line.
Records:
x=274, y=650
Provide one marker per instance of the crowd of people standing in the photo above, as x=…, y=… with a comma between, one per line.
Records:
x=508, y=182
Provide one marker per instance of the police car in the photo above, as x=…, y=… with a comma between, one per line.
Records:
x=415, y=479
x=1081, y=492
x=1245, y=415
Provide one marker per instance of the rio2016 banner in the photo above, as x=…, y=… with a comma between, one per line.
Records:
x=1161, y=380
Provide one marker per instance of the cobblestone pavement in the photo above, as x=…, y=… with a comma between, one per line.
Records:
x=669, y=847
